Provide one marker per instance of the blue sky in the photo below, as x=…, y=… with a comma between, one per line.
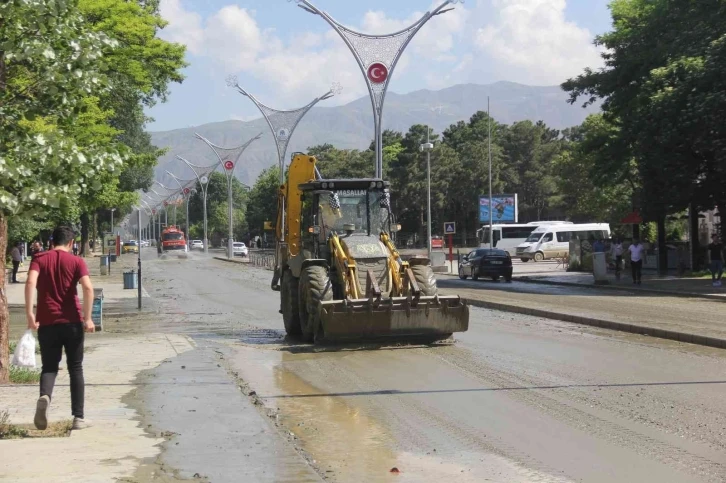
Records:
x=286, y=56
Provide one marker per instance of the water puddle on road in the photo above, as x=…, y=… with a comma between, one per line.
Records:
x=345, y=442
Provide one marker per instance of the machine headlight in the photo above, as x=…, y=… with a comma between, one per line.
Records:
x=373, y=184
x=325, y=186
x=331, y=185
x=380, y=184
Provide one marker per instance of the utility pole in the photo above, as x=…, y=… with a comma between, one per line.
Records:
x=489, y=140
x=428, y=146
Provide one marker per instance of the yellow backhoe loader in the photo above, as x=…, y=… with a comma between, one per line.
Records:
x=338, y=271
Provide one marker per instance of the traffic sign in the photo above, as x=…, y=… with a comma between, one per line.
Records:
x=377, y=73
x=153, y=212
x=228, y=165
x=166, y=203
x=186, y=191
x=450, y=227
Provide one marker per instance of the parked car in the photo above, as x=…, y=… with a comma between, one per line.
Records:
x=239, y=249
x=485, y=262
x=197, y=245
x=131, y=246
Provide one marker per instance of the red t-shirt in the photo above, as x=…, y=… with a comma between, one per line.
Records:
x=59, y=273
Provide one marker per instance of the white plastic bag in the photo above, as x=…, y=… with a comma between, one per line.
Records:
x=24, y=355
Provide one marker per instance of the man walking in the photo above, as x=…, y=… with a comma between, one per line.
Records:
x=715, y=249
x=17, y=258
x=637, y=254
x=59, y=321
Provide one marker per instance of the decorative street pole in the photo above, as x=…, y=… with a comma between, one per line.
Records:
x=377, y=56
x=187, y=189
x=228, y=158
x=282, y=123
x=202, y=173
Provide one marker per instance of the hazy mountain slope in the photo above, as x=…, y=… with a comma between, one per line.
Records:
x=351, y=125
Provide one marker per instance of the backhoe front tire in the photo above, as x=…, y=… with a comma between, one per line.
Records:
x=315, y=287
x=290, y=303
x=425, y=279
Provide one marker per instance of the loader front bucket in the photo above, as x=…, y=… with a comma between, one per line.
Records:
x=434, y=317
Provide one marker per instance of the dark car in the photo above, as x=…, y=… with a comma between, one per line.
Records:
x=485, y=262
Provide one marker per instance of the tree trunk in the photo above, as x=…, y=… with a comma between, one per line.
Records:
x=4, y=313
x=693, y=236
x=662, y=248
x=85, y=248
x=94, y=232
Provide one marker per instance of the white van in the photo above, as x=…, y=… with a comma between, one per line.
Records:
x=508, y=237
x=552, y=241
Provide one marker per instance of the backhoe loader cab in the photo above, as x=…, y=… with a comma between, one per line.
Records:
x=340, y=274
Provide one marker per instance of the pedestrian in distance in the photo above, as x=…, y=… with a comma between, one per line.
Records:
x=75, y=248
x=616, y=252
x=60, y=322
x=637, y=256
x=715, y=249
x=17, y=259
x=35, y=248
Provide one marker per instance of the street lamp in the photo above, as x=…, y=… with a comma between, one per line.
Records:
x=377, y=56
x=187, y=191
x=282, y=124
x=202, y=173
x=112, y=210
x=228, y=159
x=428, y=146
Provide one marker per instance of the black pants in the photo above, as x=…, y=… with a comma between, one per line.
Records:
x=16, y=266
x=53, y=339
x=637, y=269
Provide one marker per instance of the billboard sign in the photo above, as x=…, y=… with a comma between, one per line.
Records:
x=504, y=209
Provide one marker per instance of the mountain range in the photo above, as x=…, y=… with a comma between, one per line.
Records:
x=350, y=126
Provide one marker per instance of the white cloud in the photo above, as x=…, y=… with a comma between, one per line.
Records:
x=528, y=41
x=184, y=27
x=533, y=42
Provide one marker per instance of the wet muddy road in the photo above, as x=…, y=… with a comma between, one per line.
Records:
x=516, y=398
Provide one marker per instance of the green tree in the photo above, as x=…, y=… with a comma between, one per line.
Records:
x=664, y=90
x=530, y=148
x=584, y=195
x=262, y=201
x=49, y=64
x=140, y=70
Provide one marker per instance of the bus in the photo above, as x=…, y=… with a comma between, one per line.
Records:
x=508, y=236
x=553, y=241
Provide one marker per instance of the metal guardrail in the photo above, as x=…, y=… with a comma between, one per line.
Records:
x=263, y=258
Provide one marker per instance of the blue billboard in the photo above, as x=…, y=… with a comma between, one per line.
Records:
x=504, y=209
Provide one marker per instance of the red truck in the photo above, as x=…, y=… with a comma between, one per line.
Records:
x=172, y=238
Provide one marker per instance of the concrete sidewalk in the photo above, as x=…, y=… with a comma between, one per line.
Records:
x=693, y=320
x=117, y=301
x=117, y=444
x=651, y=283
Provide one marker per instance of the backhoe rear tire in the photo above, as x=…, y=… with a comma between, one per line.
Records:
x=315, y=287
x=425, y=279
x=290, y=303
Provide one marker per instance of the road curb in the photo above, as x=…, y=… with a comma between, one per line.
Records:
x=719, y=298
x=244, y=260
x=605, y=324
